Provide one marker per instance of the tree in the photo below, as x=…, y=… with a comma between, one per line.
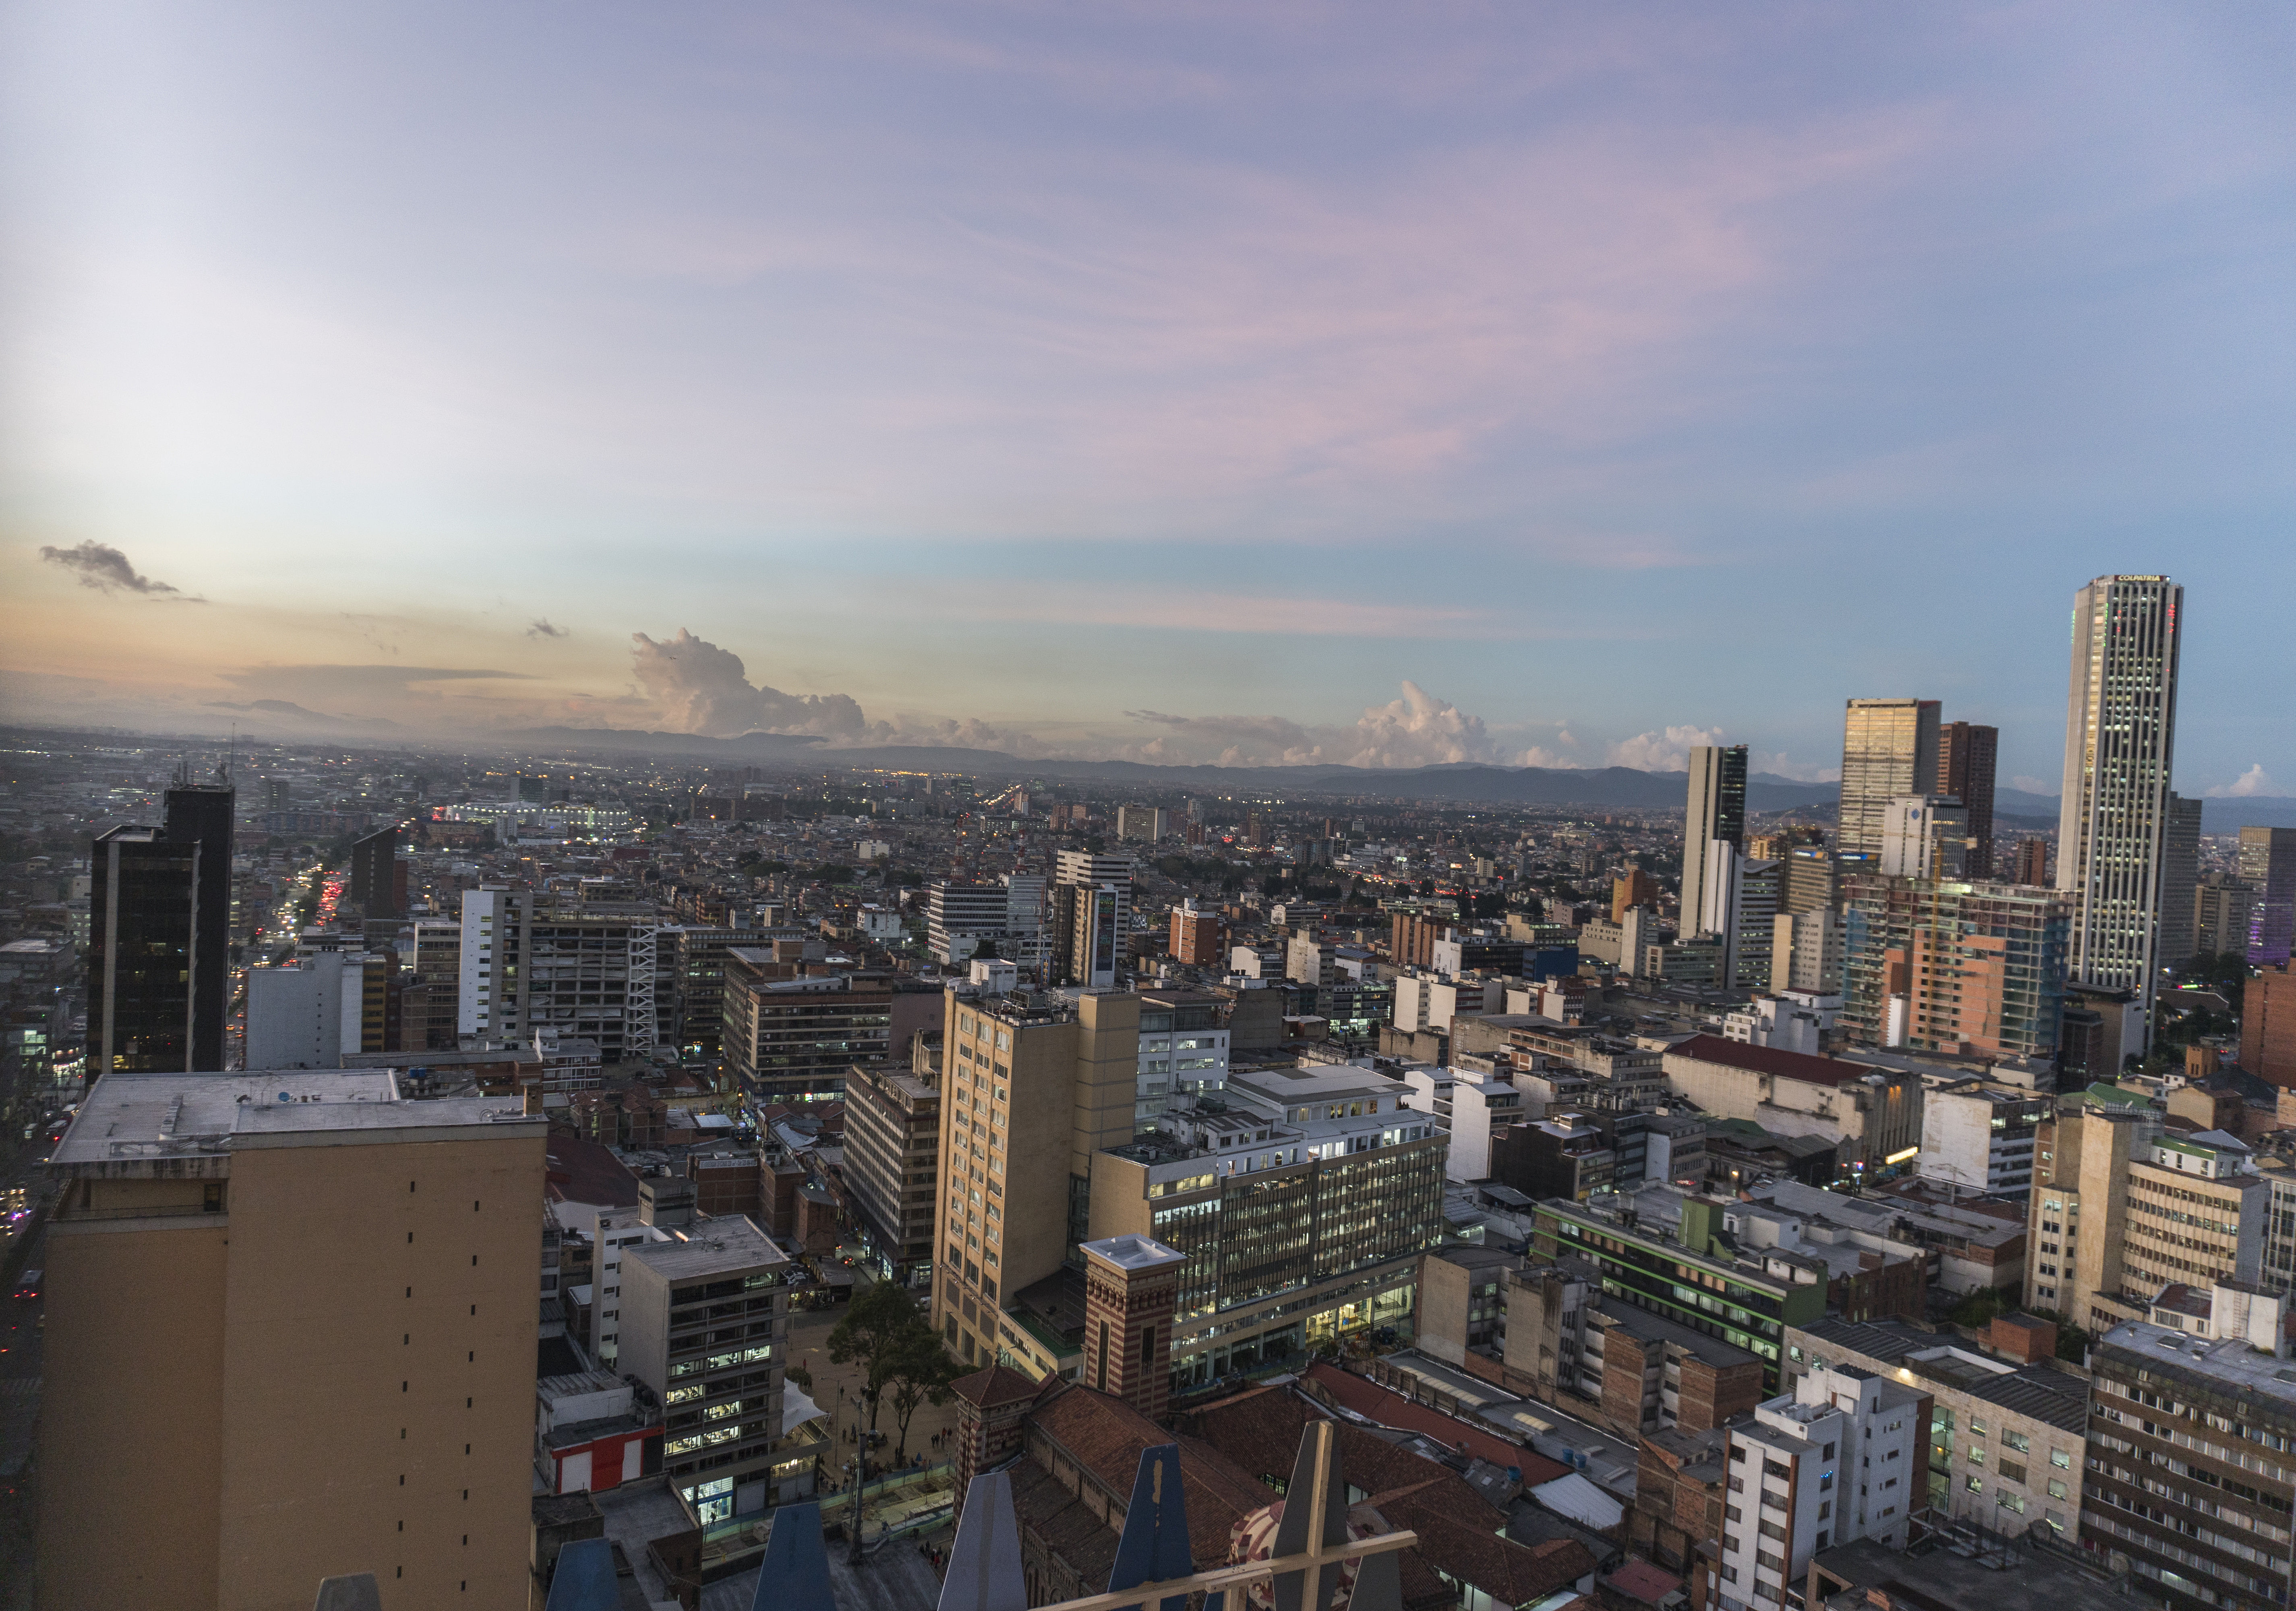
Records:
x=871, y=1337
x=922, y=1370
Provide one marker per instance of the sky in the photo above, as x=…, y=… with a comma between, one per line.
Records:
x=1540, y=383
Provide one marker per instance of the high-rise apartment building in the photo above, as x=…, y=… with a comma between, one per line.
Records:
x=1196, y=932
x=576, y=971
x=1940, y=964
x=2267, y=1026
x=1966, y=756
x=2180, y=875
x=2120, y=727
x=1142, y=824
x=1027, y=1085
x=291, y=1330
x=1889, y=749
x=1630, y=889
x=892, y=1162
x=378, y=881
x=1716, y=810
x=1836, y=1460
x=2268, y=866
x=1806, y=952
x=1091, y=918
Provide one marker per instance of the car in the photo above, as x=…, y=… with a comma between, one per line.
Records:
x=28, y=1287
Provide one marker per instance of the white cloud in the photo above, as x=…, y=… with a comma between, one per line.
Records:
x=1417, y=730
x=2033, y=785
x=2253, y=782
x=1666, y=751
x=1779, y=764
x=700, y=688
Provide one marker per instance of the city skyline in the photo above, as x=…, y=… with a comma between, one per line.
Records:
x=1094, y=386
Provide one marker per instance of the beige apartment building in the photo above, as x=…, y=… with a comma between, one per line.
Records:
x=892, y=1162
x=1030, y=1090
x=2121, y=1209
x=290, y=1334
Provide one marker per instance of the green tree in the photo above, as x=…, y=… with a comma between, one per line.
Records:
x=873, y=1335
x=921, y=1371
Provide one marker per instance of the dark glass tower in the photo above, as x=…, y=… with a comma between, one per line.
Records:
x=144, y=898
x=1966, y=755
x=374, y=874
x=200, y=814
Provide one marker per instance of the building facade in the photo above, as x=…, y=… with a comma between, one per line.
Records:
x=2268, y=866
x=1940, y=964
x=1966, y=757
x=793, y=1038
x=1716, y=812
x=892, y=1159
x=1889, y=749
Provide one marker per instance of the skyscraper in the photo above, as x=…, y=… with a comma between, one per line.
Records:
x=201, y=814
x=1717, y=811
x=144, y=898
x=2032, y=862
x=2267, y=865
x=2180, y=875
x=378, y=886
x=1965, y=759
x=1889, y=749
x=2120, y=727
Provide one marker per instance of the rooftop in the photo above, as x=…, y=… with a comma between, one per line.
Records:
x=2229, y=1364
x=1942, y=1580
x=1772, y=1060
x=126, y=1117
x=1134, y=1253
x=2040, y=1392
x=720, y=1246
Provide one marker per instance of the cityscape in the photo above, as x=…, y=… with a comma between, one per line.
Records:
x=1276, y=811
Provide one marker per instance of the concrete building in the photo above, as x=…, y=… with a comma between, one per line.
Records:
x=2267, y=865
x=1142, y=825
x=1716, y=814
x=1836, y=1459
x=2005, y=1436
x=892, y=1163
x=581, y=973
x=2120, y=727
x=2189, y=1470
x=1463, y=1300
x=705, y=1326
x=291, y=1324
x=1966, y=759
x=2180, y=876
x=1302, y=1199
x=1809, y=874
x=1090, y=919
x=2121, y=1209
x=2221, y=906
x=1470, y=1108
x=1980, y=1138
x=593, y=1432
x=1972, y=969
x=308, y=1013
x=1889, y=749
x=1805, y=950
x=1792, y=1021
x=1048, y=1082
x=1925, y=836
x=1308, y=960
x=1197, y=935
x=792, y=1038
x=1873, y=1115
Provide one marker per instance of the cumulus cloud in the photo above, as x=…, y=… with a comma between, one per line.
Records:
x=1779, y=764
x=700, y=688
x=542, y=628
x=105, y=569
x=1662, y=751
x=1417, y=730
x=2033, y=785
x=2253, y=782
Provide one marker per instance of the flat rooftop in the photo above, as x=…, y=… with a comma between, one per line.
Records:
x=127, y=1117
x=720, y=1246
x=2227, y=1364
x=1939, y=1579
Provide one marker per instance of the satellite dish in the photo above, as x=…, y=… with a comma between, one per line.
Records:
x=283, y=1097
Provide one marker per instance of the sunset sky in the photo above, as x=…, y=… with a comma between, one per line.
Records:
x=1557, y=383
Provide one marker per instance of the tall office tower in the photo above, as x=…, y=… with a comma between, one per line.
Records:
x=1889, y=749
x=1810, y=873
x=2221, y=908
x=2180, y=876
x=2121, y=730
x=491, y=1000
x=960, y=918
x=2267, y=865
x=1965, y=759
x=378, y=881
x=1924, y=837
x=278, y=794
x=2267, y=1026
x=2032, y=863
x=230, y=1297
x=1717, y=811
x=143, y=937
x=1741, y=901
x=201, y=813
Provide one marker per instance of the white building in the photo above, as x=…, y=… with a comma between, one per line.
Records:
x=1978, y=1136
x=1792, y=1021
x=1925, y=836
x=1308, y=960
x=1472, y=1106
x=1806, y=951
x=1425, y=1000
x=580, y=973
x=1843, y=1457
x=308, y=1013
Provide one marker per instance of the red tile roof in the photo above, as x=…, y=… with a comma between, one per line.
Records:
x=995, y=1386
x=1376, y=1403
x=1641, y=1581
x=582, y=1171
x=1770, y=1060
x=1106, y=1436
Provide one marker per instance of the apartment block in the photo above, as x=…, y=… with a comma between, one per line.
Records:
x=1980, y=1138
x=2006, y=1447
x=1184, y=1050
x=1836, y=1459
x=1197, y=937
x=697, y=960
x=705, y=1326
x=308, y=1013
x=306, y=1310
x=892, y=1162
x=1873, y=1115
x=580, y=973
x=2267, y=1026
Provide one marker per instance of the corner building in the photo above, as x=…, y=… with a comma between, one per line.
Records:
x=290, y=1334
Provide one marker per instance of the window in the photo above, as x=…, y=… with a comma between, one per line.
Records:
x=2012, y=1472
x=2016, y=1440
x=2061, y=1458
x=2010, y=1502
x=2056, y=1489
x=1975, y=1484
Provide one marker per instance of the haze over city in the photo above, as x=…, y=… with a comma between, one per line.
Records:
x=1544, y=386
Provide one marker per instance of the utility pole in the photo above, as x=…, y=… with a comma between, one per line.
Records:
x=860, y=1478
